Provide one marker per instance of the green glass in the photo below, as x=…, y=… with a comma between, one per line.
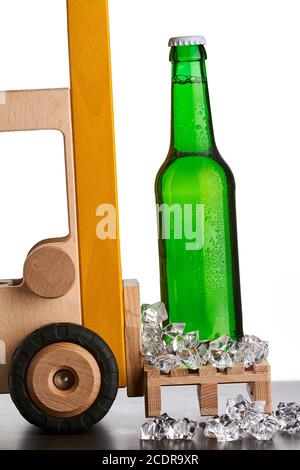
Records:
x=199, y=278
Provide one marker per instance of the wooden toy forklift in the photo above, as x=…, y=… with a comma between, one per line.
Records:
x=70, y=329
x=63, y=325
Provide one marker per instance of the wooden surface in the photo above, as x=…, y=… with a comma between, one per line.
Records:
x=57, y=357
x=94, y=146
x=119, y=430
x=49, y=272
x=207, y=378
x=22, y=312
x=134, y=361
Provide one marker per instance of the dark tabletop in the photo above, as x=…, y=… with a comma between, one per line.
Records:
x=120, y=428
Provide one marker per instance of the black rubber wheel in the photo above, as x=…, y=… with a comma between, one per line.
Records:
x=56, y=333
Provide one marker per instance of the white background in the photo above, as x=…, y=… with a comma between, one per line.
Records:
x=254, y=75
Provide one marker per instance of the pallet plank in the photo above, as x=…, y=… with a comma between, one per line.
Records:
x=238, y=369
x=262, y=390
x=208, y=399
x=179, y=372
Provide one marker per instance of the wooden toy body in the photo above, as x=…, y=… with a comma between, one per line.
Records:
x=89, y=292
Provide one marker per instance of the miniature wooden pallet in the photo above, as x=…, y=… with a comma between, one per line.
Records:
x=207, y=379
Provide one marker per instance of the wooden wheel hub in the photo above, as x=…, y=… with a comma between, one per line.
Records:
x=63, y=379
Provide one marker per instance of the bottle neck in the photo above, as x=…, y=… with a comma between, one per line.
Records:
x=192, y=129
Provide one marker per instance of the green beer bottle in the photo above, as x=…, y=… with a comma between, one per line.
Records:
x=195, y=193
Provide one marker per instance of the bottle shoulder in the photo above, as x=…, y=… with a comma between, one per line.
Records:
x=191, y=164
x=190, y=174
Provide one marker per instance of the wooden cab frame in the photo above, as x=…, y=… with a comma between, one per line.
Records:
x=39, y=299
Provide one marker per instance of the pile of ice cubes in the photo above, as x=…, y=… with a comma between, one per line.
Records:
x=242, y=419
x=165, y=427
x=166, y=347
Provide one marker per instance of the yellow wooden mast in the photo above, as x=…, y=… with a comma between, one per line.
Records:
x=95, y=165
